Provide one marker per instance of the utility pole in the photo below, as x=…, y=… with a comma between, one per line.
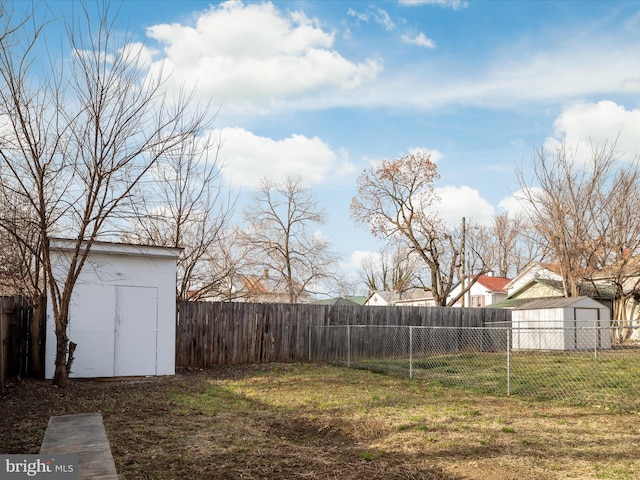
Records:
x=463, y=260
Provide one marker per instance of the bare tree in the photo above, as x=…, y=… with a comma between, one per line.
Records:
x=392, y=269
x=188, y=206
x=78, y=135
x=20, y=264
x=396, y=199
x=507, y=245
x=565, y=199
x=617, y=234
x=279, y=236
x=588, y=210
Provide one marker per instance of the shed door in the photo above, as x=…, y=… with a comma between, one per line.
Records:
x=136, y=331
x=585, y=322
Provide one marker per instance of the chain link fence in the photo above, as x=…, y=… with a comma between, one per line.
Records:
x=581, y=365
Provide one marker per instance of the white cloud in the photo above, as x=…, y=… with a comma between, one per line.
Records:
x=631, y=85
x=516, y=204
x=458, y=202
x=362, y=16
x=434, y=155
x=454, y=4
x=249, y=158
x=138, y=54
x=358, y=257
x=570, y=65
x=382, y=18
x=596, y=124
x=251, y=57
x=377, y=14
x=419, y=40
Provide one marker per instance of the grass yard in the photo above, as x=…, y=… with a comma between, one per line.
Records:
x=610, y=379
x=326, y=422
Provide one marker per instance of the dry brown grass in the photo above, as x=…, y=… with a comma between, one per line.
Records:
x=324, y=422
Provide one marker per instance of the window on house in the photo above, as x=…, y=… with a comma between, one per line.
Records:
x=476, y=301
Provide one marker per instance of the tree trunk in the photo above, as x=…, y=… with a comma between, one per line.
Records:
x=61, y=373
x=39, y=306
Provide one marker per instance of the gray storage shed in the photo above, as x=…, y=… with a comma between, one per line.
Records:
x=563, y=323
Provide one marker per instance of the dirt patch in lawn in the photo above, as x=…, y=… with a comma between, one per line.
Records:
x=323, y=422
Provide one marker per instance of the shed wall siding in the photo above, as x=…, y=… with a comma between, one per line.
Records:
x=583, y=325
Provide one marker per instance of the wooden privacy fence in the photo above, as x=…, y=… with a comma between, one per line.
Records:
x=210, y=334
x=21, y=338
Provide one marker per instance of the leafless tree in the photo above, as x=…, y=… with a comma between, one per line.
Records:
x=507, y=245
x=588, y=210
x=78, y=134
x=20, y=263
x=618, y=236
x=396, y=199
x=392, y=269
x=279, y=236
x=187, y=205
x=565, y=199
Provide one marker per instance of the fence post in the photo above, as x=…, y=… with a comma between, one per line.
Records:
x=309, y=344
x=348, y=345
x=508, y=361
x=410, y=351
x=1, y=346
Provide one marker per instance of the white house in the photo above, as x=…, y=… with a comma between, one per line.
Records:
x=417, y=298
x=382, y=298
x=122, y=313
x=413, y=298
x=534, y=270
x=487, y=290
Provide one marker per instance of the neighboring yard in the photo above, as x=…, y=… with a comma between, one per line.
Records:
x=323, y=422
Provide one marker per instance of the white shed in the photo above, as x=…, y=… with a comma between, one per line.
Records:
x=563, y=323
x=122, y=313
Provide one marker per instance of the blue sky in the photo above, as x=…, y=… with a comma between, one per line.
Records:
x=323, y=88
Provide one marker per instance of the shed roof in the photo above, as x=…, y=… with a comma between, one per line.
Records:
x=113, y=248
x=559, y=302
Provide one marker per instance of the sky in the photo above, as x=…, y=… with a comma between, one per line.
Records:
x=323, y=89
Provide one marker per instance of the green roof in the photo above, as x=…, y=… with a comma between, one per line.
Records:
x=346, y=300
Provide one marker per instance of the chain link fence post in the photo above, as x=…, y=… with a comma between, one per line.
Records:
x=509, y=361
x=410, y=352
x=348, y=345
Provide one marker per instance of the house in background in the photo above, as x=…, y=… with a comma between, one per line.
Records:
x=538, y=288
x=534, y=270
x=345, y=300
x=486, y=291
x=543, y=281
x=265, y=288
x=417, y=298
x=413, y=298
x=382, y=298
x=122, y=314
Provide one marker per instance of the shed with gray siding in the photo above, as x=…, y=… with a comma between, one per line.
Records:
x=563, y=323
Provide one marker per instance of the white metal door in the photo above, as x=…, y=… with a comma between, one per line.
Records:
x=136, y=331
x=586, y=321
